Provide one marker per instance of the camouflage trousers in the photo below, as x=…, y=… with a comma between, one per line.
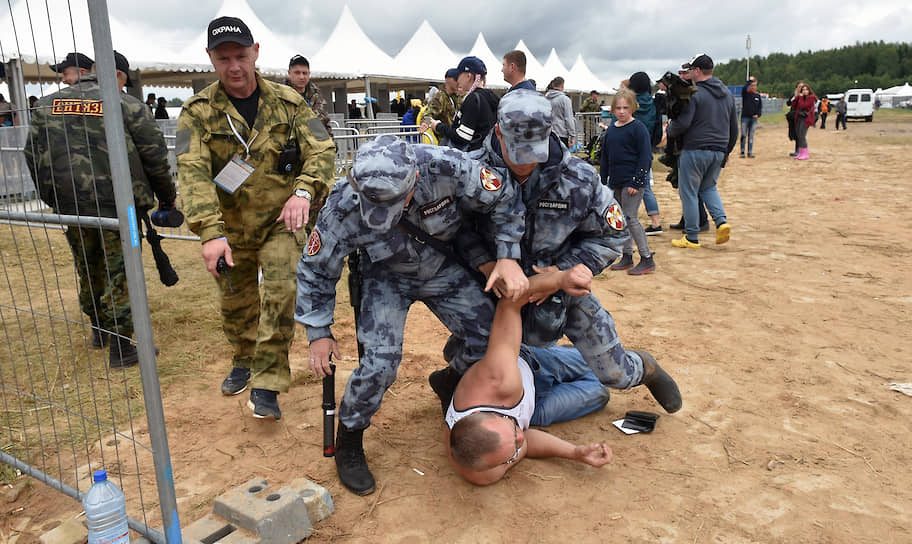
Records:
x=103, y=294
x=591, y=329
x=452, y=295
x=259, y=319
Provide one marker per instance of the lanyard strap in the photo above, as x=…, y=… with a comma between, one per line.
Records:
x=238, y=136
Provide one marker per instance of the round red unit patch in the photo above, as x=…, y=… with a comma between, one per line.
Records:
x=490, y=181
x=314, y=243
x=615, y=217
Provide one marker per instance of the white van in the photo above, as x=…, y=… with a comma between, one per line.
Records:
x=860, y=104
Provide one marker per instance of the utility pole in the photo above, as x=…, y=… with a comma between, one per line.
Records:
x=747, y=44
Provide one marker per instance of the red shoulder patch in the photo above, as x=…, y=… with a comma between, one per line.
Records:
x=314, y=243
x=614, y=217
x=490, y=181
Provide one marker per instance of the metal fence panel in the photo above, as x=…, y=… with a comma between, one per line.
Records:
x=64, y=411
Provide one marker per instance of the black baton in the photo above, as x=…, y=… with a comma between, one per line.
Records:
x=329, y=412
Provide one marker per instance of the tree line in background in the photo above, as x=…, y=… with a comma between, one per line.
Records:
x=863, y=65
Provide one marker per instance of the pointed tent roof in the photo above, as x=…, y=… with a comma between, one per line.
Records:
x=425, y=55
x=348, y=52
x=492, y=62
x=554, y=66
x=534, y=68
x=582, y=79
x=274, y=51
x=899, y=90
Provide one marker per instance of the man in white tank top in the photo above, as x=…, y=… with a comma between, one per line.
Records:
x=488, y=419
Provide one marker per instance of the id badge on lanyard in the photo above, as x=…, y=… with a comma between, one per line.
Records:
x=236, y=172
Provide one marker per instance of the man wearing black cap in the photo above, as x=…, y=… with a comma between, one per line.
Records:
x=73, y=67
x=253, y=161
x=709, y=126
x=444, y=105
x=66, y=152
x=477, y=114
x=299, y=79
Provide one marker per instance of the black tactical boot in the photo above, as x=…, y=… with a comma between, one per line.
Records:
x=123, y=353
x=99, y=337
x=444, y=382
x=660, y=384
x=350, y=461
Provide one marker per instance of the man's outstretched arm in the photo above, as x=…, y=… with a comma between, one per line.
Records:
x=542, y=445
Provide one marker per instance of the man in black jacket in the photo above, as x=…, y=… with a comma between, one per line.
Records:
x=478, y=113
x=751, y=110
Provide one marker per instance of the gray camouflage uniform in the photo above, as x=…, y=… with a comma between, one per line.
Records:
x=571, y=218
x=396, y=269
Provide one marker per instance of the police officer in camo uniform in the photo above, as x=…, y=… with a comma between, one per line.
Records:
x=571, y=220
x=433, y=188
x=67, y=155
x=253, y=163
x=445, y=104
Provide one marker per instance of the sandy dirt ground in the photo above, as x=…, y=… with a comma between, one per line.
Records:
x=783, y=342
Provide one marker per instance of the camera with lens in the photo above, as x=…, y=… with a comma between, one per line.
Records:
x=167, y=216
x=289, y=157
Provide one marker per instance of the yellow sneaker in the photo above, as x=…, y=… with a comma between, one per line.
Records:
x=684, y=242
x=723, y=233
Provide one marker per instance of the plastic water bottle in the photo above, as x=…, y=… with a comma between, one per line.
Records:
x=106, y=512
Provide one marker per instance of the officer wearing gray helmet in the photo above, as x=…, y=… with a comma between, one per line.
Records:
x=433, y=188
x=571, y=220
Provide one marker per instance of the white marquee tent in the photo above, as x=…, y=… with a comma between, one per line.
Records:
x=425, y=55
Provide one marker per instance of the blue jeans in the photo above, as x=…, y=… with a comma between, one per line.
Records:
x=748, y=127
x=698, y=170
x=649, y=198
x=565, y=386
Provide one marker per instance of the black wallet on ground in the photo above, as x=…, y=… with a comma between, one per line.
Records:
x=644, y=422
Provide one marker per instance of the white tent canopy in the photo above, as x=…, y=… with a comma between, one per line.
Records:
x=582, y=79
x=492, y=62
x=349, y=53
x=554, y=67
x=425, y=55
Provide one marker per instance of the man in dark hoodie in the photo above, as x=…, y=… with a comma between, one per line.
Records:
x=477, y=114
x=709, y=126
x=751, y=109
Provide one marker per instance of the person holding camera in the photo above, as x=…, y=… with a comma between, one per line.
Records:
x=66, y=153
x=254, y=163
x=571, y=219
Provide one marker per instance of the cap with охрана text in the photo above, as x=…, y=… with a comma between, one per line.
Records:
x=228, y=29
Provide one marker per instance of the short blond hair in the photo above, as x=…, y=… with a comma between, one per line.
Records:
x=629, y=96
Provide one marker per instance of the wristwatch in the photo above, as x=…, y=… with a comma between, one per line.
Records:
x=303, y=193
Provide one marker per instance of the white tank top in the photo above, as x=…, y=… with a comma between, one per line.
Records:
x=522, y=412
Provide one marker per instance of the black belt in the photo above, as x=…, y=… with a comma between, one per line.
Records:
x=720, y=149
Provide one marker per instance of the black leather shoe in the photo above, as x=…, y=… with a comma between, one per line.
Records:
x=122, y=353
x=444, y=382
x=351, y=463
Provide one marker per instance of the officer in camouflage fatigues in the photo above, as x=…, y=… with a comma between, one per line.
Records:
x=591, y=104
x=252, y=225
x=571, y=219
x=363, y=213
x=67, y=155
x=299, y=71
x=446, y=103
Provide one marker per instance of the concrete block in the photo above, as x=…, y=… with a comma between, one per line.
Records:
x=319, y=502
x=275, y=516
x=208, y=529
x=69, y=532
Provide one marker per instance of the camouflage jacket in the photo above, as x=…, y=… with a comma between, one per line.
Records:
x=443, y=107
x=571, y=218
x=206, y=143
x=67, y=152
x=449, y=189
x=316, y=102
x=590, y=106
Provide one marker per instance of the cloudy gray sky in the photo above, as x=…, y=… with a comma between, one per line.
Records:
x=616, y=38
